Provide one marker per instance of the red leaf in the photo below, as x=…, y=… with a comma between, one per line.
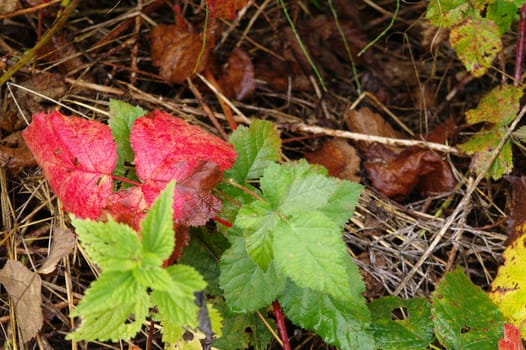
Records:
x=128, y=206
x=225, y=9
x=168, y=148
x=512, y=339
x=77, y=157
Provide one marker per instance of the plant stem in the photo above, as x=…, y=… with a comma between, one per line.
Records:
x=222, y=222
x=280, y=322
x=125, y=180
x=520, y=47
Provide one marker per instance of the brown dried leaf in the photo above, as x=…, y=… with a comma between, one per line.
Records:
x=413, y=169
x=24, y=288
x=7, y=6
x=279, y=75
x=340, y=159
x=179, y=52
x=237, y=80
x=365, y=121
x=61, y=49
x=62, y=245
x=14, y=153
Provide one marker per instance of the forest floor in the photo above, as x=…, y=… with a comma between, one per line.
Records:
x=406, y=85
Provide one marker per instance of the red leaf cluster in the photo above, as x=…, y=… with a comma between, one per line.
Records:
x=78, y=157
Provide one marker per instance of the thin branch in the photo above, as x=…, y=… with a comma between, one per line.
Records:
x=371, y=138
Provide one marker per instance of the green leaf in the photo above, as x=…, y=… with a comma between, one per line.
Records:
x=477, y=42
x=499, y=106
x=256, y=148
x=413, y=331
x=520, y=133
x=258, y=221
x=297, y=186
x=113, y=246
x=108, y=305
x=153, y=277
x=503, y=13
x=246, y=286
x=309, y=249
x=157, y=230
x=463, y=315
x=202, y=254
x=176, y=307
x=344, y=323
x=447, y=13
x=122, y=116
x=482, y=146
x=242, y=330
x=342, y=202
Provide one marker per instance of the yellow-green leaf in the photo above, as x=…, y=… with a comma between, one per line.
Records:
x=500, y=105
x=508, y=289
x=477, y=42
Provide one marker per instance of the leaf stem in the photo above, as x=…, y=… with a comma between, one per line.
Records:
x=222, y=222
x=280, y=323
x=125, y=180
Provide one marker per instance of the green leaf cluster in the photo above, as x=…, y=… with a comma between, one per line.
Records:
x=286, y=242
x=497, y=109
x=475, y=28
x=133, y=280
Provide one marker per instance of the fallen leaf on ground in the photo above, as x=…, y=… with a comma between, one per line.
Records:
x=339, y=157
x=395, y=172
x=237, y=78
x=178, y=52
x=512, y=339
x=14, y=153
x=517, y=218
x=225, y=9
x=61, y=246
x=365, y=121
x=77, y=157
x=24, y=288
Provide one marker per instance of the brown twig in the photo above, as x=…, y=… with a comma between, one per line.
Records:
x=207, y=110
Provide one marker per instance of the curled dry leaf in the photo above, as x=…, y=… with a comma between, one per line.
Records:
x=24, y=288
x=413, y=169
x=62, y=245
x=237, y=79
x=178, y=52
x=14, y=153
x=340, y=159
x=397, y=173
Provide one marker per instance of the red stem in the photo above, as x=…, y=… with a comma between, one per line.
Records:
x=519, y=55
x=280, y=322
x=128, y=181
x=222, y=222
